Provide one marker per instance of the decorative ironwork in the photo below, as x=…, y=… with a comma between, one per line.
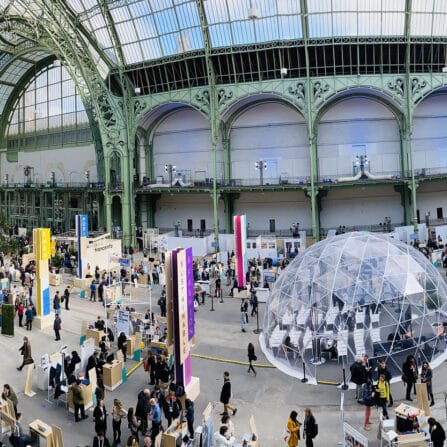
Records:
x=204, y=98
x=398, y=86
x=417, y=86
x=319, y=89
x=223, y=96
x=298, y=90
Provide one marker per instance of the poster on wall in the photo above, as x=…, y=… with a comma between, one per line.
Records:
x=122, y=321
x=353, y=438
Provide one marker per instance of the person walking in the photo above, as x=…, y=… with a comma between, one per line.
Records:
x=20, y=312
x=254, y=303
x=122, y=344
x=426, y=377
x=57, y=303
x=118, y=413
x=293, y=427
x=29, y=317
x=25, y=351
x=225, y=394
x=251, y=358
x=437, y=433
x=410, y=375
x=244, y=315
x=383, y=389
x=100, y=417
x=78, y=401
x=368, y=394
x=189, y=405
x=67, y=298
x=310, y=427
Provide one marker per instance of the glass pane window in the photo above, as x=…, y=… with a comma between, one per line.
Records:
x=49, y=103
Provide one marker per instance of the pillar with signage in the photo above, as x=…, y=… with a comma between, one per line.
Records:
x=82, y=234
x=42, y=250
x=240, y=244
x=180, y=316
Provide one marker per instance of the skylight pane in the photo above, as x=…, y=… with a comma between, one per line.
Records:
x=221, y=35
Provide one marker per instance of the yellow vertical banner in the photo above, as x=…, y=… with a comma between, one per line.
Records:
x=42, y=251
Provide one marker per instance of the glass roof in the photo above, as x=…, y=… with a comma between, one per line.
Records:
x=135, y=31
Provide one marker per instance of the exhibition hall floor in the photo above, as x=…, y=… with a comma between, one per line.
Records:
x=220, y=345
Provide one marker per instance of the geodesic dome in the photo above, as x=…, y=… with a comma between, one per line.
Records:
x=354, y=294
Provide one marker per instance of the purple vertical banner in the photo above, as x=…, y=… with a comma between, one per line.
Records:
x=176, y=319
x=190, y=292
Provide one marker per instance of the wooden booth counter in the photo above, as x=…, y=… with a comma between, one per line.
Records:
x=88, y=397
x=95, y=334
x=54, y=279
x=112, y=375
x=43, y=432
x=174, y=434
x=130, y=345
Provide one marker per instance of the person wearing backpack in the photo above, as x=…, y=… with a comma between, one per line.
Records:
x=310, y=427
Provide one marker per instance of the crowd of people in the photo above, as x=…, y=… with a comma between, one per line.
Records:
x=373, y=388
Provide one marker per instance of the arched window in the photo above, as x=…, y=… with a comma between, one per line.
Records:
x=49, y=113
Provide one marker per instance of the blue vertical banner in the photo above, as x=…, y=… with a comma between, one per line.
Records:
x=82, y=234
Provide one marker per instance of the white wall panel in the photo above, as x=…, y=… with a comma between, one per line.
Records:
x=183, y=139
x=69, y=165
x=181, y=207
x=360, y=206
x=430, y=134
x=269, y=131
x=358, y=126
x=285, y=208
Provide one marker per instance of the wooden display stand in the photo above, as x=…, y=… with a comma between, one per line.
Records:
x=55, y=279
x=254, y=439
x=242, y=294
x=43, y=432
x=130, y=345
x=29, y=381
x=173, y=432
x=192, y=390
x=7, y=415
x=157, y=347
x=422, y=398
x=112, y=375
x=43, y=322
x=82, y=283
x=95, y=334
x=88, y=397
x=57, y=436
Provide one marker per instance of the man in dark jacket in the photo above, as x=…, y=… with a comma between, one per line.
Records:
x=143, y=408
x=358, y=376
x=225, y=395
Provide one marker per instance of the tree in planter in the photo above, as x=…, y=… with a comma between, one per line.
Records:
x=8, y=312
x=57, y=261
